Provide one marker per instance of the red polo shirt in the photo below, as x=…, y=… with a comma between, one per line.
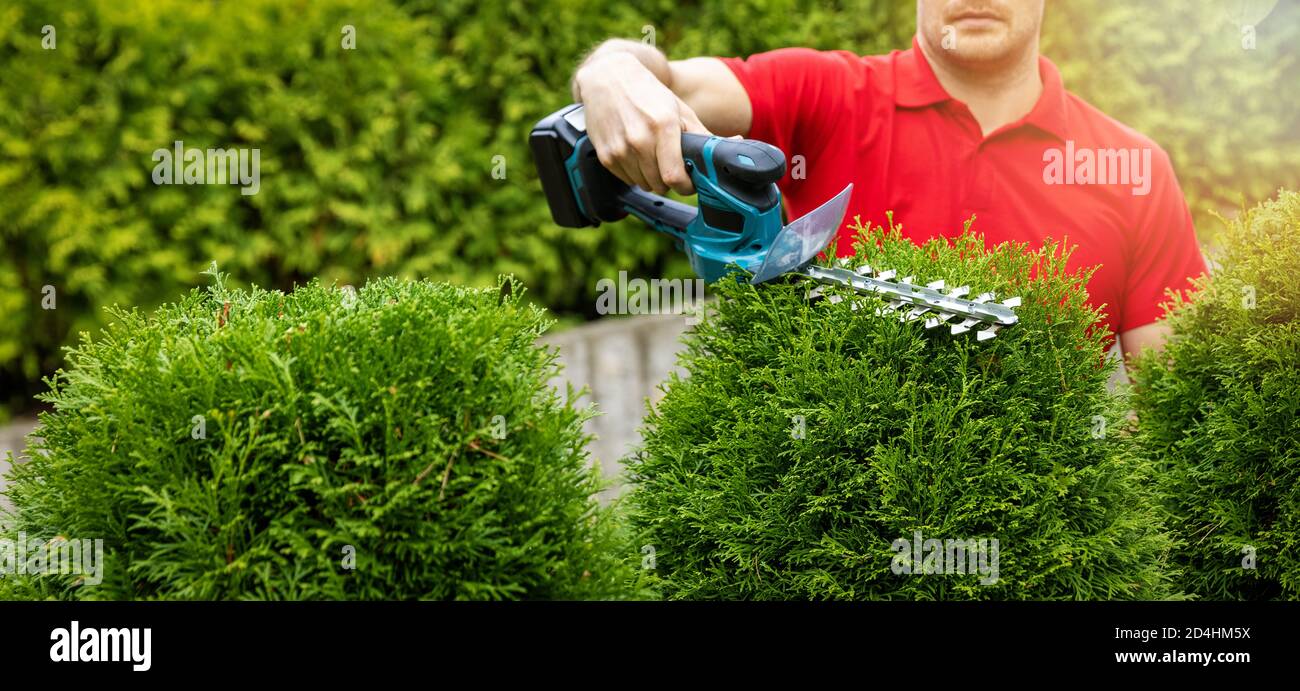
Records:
x=884, y=123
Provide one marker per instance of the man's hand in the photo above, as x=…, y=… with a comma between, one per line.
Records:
x=636, y=122
x=638, y=104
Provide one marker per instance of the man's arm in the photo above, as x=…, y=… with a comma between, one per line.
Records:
x=1136, y=340
x=712, y=90
x=1165, y=256
x=638, y=103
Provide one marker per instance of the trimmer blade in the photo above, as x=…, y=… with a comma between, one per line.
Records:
x=803, y=238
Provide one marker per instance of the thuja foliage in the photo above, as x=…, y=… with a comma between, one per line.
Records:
x=396, y=442
x=1220, y=412
x=404, y=155
x=1206, y=80
x=811, y=438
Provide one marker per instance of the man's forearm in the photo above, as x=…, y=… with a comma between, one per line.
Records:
x=648, y=56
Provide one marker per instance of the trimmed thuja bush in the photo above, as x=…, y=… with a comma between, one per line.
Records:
x=396, y=442
x=1220, y=412
x=816, y=450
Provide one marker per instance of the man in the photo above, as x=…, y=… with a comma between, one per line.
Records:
x=970, y=122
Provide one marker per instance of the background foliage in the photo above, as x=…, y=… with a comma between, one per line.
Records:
x=907, y=430
x=378, y=161
x=332, y=419
x=1220, y=413
x=1177, y=71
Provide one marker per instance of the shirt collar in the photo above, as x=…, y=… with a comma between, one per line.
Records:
x=917, y=87
x=914, y=80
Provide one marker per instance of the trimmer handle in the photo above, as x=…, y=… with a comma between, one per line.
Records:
x=746, y=168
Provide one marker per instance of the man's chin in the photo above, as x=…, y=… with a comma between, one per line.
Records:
x=978, y=50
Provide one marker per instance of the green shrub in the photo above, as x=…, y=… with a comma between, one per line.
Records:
x=245, y=444
x=904, y=430
x=1220, y=412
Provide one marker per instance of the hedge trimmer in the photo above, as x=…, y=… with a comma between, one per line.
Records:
x=738, y=221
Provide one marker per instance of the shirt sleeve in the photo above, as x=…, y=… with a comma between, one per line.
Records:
x=1165, y=254
x=798, y=94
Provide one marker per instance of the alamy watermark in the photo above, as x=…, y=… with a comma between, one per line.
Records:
x=76, y=643
x=1248, y=559
x=1087, y=166
x=1246, y=15
x=190, y=166
x=924, y=556
x=655, y=296
x=58, y=556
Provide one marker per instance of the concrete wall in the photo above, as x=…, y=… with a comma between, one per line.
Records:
x=12, y=438
x=621, y=361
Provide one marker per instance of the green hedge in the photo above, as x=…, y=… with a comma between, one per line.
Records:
x=397, y=442
x=810, y=438
x=1220, y=412
x=379, y=160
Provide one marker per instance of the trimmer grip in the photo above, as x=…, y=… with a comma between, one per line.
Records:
x=693, y=148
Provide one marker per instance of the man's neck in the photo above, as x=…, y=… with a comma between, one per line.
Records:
x=996, y=97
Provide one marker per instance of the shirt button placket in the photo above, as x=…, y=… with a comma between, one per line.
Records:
x=979, y=180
